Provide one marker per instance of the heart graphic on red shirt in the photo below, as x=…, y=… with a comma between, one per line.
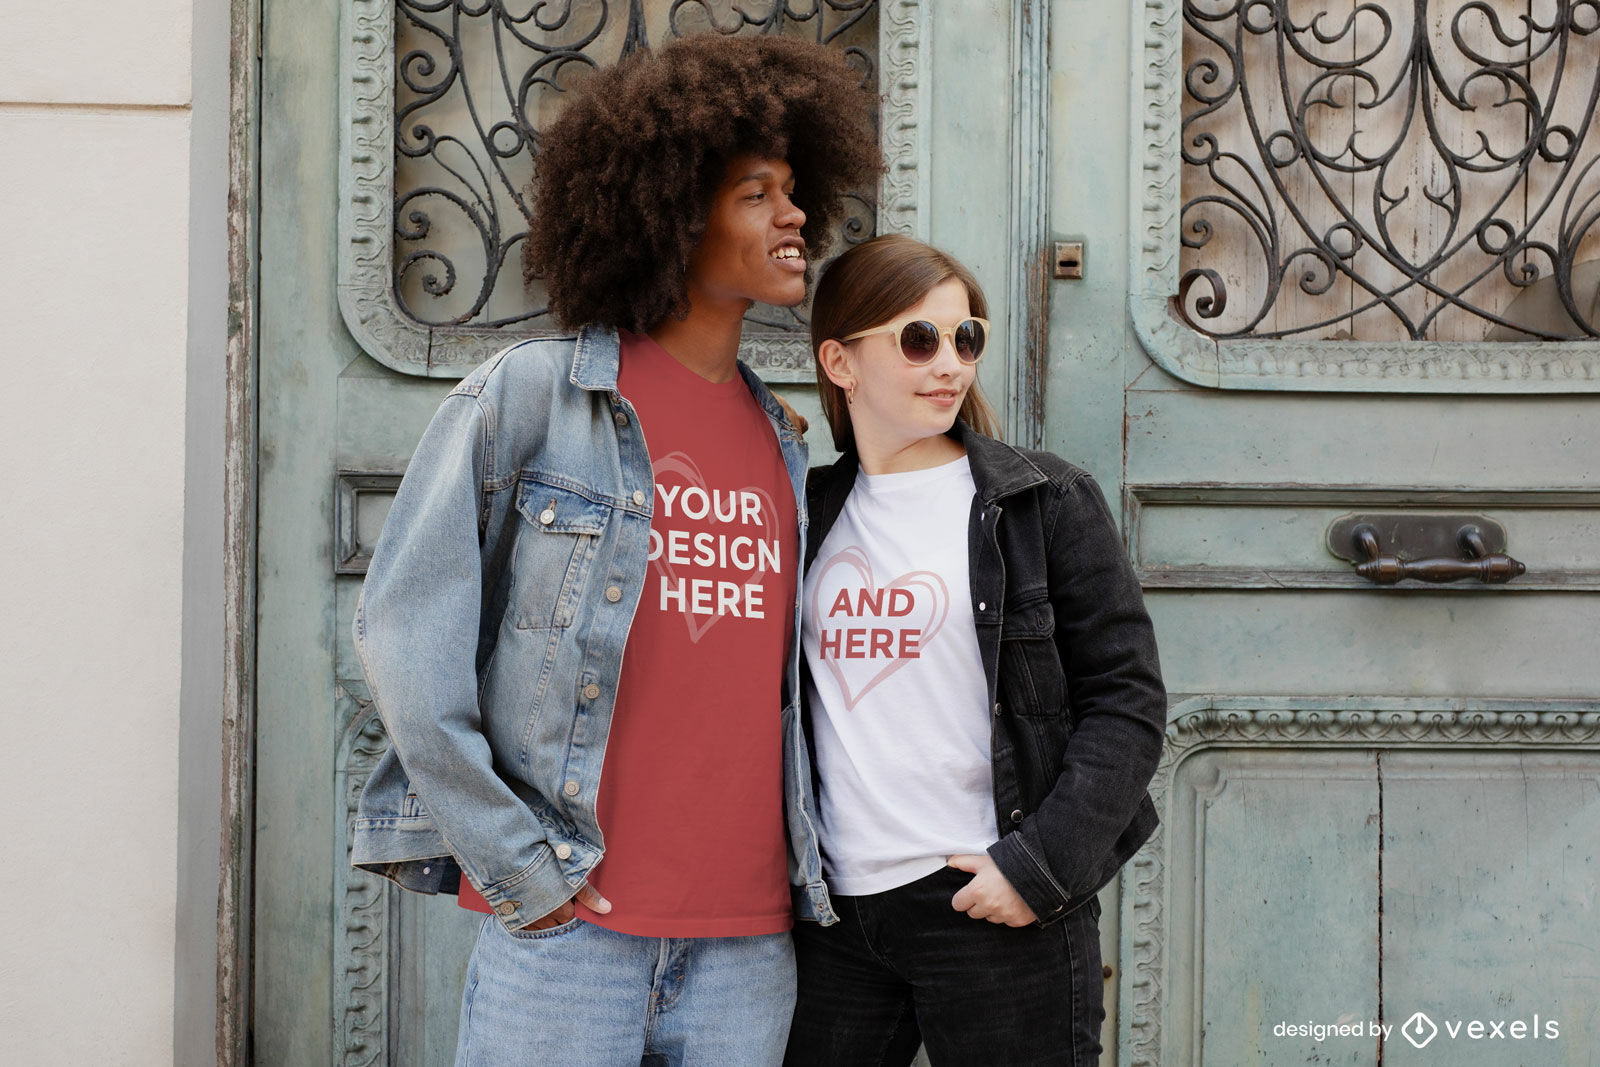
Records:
x=849, y=571
x=688, y=476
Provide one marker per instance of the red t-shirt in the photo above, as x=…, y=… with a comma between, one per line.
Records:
x=691, y=798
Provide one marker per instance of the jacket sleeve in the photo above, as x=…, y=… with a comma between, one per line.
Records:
x=1117, y=703
x=416, y=631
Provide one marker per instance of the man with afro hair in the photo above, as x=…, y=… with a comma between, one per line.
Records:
x=579, y=623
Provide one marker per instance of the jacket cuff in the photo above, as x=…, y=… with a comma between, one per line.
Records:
x=531, y=893
x=1028, y=875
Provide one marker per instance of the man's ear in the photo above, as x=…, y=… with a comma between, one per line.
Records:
x=835, y=360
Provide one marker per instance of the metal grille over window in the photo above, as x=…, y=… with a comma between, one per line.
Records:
x=475, y=82
x=1391, y=170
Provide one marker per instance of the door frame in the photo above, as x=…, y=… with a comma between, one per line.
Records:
x=239, y=541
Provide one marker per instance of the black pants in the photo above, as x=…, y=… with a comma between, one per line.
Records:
x=903, y=967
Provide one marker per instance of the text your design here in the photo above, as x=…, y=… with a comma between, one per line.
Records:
x=711, y=550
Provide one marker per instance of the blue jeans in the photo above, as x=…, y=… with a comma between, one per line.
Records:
x=580, y=995
x=903, y=967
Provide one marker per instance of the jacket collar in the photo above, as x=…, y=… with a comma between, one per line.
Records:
x=595, y=358
x=998, y=469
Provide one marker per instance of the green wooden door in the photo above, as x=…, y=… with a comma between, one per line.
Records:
x=1377, y=801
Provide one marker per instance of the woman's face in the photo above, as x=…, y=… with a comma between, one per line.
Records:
x=896, y=404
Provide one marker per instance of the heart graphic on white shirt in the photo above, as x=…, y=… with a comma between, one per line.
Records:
x=688, y=473
x=850, y=571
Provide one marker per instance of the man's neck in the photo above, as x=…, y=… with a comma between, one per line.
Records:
x=707, y=339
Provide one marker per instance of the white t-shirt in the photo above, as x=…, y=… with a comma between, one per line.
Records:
x=899, y=703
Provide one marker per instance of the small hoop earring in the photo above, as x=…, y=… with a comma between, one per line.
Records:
x=850, y=395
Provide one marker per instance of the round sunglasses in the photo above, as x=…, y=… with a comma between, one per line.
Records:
x=919, y=339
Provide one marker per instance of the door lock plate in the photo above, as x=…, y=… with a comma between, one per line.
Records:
x=1069, y=259
x=1412, y=536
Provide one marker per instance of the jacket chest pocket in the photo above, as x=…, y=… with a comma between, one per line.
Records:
x=1030, y=665
x=556, y=544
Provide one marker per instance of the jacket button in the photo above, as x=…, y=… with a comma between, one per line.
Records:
x=638, y=496
x=591, y=691
x=1016, y=816
x=506, y=908
x=997, y=709
x=563, y=851
x=547, y=516
x=620, y=419
x=613, y=594
x=571, y=789
x=982, y=606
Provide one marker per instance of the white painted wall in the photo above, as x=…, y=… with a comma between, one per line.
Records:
x=95, y=117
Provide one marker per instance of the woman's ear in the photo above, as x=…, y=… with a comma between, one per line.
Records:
x=835, y=361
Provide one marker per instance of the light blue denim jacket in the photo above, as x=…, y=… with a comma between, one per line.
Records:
x=492, y=626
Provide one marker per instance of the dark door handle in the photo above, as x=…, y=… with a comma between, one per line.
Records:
x=1476, y=562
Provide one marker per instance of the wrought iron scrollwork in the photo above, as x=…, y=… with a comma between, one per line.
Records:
x=1391, y=169
x=475, y=80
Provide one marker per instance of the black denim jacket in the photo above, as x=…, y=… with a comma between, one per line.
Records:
x=1070, y=657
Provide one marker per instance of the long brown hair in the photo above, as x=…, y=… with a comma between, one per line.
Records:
x=869, y=285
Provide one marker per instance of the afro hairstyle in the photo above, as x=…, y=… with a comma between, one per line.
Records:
x=624, y=178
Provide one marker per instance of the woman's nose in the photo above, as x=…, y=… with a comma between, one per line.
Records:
x=946, y=361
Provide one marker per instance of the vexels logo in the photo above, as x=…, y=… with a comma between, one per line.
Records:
x=1419, y=1030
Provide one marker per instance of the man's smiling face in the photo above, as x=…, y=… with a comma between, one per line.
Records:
x=752, y=250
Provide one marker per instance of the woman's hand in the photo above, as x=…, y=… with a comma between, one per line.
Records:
x=989, y=895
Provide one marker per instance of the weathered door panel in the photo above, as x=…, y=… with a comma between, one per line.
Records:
x=303, y=348
x=1383, y=642
x=1326, y=856
x=399, y=958
x=1247, y=959
x=1359, y=860
x=1489, y=890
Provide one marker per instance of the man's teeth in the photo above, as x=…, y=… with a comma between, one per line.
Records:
x=786, y=252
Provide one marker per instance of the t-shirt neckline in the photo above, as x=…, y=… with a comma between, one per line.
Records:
x=642, y=344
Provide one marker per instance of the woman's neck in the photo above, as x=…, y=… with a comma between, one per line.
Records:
x=898, y=457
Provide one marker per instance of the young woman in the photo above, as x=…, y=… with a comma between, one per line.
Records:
x=986, y=708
